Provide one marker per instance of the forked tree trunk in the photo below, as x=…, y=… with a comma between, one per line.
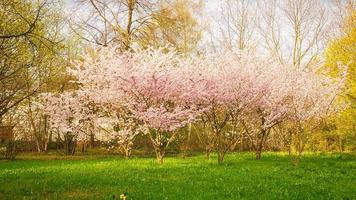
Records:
x=159, y=155
x=260, y=143
x=221, y=156
x=160, y=143
x=38, y=145
x=127, y=151
x=222, y=147
x=69, y=144
x=258, y=154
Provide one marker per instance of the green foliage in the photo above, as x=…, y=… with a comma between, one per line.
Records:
x=33, y=55
x=328, y=176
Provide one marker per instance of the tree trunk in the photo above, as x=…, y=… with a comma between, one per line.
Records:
x=207, y=152
x=260, y=143
x=48, y=141
x=259, y=148
x=296, y=148
x=221, y=156
x=10, y=153
x=46, y=133
x=45, y=148
x=38, y=144
x=159, y=155
x=69, y=144
x=131, y=7
x=127, y=153
x=341, y=144
x=92, y=140
x=258, y=154
x=242, y=142
x=83, y=146
x=74, y=146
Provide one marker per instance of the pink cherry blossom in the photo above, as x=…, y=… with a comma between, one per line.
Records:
x=157, y=92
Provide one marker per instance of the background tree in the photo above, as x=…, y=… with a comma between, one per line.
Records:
x=341, y=50
x=235, y=25
x=33, y=60
x=18, y=51
x=133, y=23
x=175, y=25
x=113, y=21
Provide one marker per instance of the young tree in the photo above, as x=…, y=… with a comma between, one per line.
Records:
x=160, y=92
x=290, y=93
x=154, y=87
x=233, y=85
x=120, y=127
x=71, y=116
x=316, y=96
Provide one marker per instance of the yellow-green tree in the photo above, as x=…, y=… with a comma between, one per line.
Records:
x=33, y=57
x=342, y=50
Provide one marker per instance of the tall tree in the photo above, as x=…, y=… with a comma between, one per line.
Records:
x=113, y=21
x=138, y=23
x=28, y=48
x=236, y=24
x=175, y=25
x=33, y=57
x=342, y=50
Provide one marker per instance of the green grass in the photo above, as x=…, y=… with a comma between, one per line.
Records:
x=326, y=176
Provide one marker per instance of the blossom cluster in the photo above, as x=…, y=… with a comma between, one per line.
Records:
x=155, y=89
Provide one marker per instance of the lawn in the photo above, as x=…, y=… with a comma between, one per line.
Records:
x=328, y=176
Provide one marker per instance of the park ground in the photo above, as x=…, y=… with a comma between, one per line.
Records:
x=318, y=176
